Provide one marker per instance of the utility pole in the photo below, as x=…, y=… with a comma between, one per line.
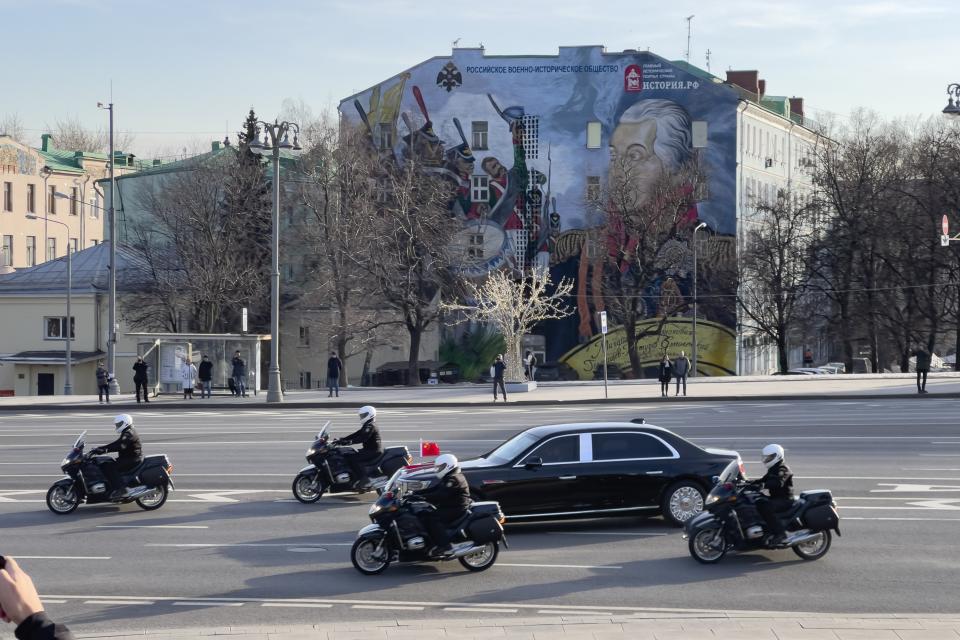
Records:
x=112, y=313
x=708, y=60
x=689, y=21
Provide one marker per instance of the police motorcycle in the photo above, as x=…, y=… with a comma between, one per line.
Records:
x=149, y=482
x=730, y=521
x=329, y=470
x=397, y=534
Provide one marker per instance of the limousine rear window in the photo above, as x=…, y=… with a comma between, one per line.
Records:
x=620, y=446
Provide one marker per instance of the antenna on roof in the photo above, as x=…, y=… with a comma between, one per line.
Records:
x=689, y=20
x=456, y=42
x=708, y=60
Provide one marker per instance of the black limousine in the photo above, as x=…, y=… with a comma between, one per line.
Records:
x=596, y=469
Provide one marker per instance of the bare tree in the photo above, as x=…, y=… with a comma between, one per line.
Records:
x=514, y=307
x=774, y=269
x=12, y=125
x=70, y=134
x=647, y=220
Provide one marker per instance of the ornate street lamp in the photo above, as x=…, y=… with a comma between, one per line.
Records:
x=276, y=136
x=953, y=100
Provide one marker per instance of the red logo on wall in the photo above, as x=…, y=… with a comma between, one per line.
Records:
x=633, y=78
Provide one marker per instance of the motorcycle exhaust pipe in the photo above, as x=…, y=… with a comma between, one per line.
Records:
x=801, y=537
x=459, y=553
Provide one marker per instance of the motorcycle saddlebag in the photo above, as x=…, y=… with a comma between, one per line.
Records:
x=821, y=518
x=153, y=476
x=488, y=508
x=485, y=529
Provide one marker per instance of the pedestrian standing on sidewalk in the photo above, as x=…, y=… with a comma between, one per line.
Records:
x=188, y=375
x=923, y=367
x=499, y=366
x=530, y=365
x=103, y=382
x=140, y=378
x=334, y=367
x=205, y=373
x=240, y=375
x=666, y=373
x=807, y=357
x=681, y=367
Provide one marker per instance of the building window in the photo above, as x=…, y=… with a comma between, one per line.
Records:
x=8, y=196
x=31, y=198
x=479, y=130
x=593, y=189
x=52, y=204
x=480, y=188
x=74, y=201
x=594, y=131
x=386, y=137
x=475, y=248
x=31, y=251
x=74, y=244
x=6, y=252
x=304, y=336
x=95, y=207
x=51, y=248
x=55, y=328
x=94, y=243
x=531, y=136
x=306, y=380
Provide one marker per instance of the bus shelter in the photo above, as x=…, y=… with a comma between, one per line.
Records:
x=165, y=354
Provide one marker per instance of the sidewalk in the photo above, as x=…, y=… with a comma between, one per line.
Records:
x=769, y=388
x=664, y=625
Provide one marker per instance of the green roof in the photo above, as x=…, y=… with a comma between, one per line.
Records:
x=61, y=161
x=696, y=71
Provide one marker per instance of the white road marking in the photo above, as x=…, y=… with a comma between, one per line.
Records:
x=905, y=519
x=916, y=488
x=938, y=505
x=202, y=545
x=207, y=603
x=152, y=526
x=561, y=612
x=306, y=605
x=49, y=601
x=391, y=607
x=554, y=566
x=605, y=533
x=478, y=609
x=115, y=602
x=19, y=557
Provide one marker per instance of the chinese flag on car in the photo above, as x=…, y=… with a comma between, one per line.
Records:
x=429, y=449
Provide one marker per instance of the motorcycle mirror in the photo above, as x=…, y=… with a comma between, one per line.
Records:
x=534, y=463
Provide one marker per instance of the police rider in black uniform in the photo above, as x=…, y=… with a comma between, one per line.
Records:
x=129, y=455
x=369, y=437
x=451, y=497
x=778, y=482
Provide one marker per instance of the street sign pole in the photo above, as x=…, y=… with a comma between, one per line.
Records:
x=603, y=334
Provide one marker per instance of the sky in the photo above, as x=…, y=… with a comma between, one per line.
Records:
x=184, y=73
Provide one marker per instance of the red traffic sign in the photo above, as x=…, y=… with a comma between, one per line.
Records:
x=945, y=225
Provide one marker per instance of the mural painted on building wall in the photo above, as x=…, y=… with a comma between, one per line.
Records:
x=530, y=147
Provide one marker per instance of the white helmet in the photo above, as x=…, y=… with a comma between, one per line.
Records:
x=772, y=454
x=123, y=422
x=366, y=412
x=445, y=463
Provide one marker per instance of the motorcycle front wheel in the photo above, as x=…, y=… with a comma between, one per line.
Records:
x=153, y=499
x=481, y=559
x=708, y=546
x=366, y=559
x=63, y=499
x=306, y=490
x=814, y=549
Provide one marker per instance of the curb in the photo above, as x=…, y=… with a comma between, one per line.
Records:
x=257, y=406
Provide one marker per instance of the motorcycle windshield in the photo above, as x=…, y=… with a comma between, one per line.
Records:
x=323, y=430
x=730, y=473
x=80, y=439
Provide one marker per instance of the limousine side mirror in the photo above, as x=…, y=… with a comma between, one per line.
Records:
x=533, y=463
x=715, y=479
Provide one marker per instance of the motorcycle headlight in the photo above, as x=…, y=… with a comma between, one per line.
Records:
x=65, y=462
x=375, y=508
x=711, y=499
x=311, y=451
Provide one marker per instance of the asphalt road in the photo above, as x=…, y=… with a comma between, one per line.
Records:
x=232, y=547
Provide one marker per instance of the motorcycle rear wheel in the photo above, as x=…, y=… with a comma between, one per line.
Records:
x=363, y=558
x=153, y=500
x=305, y=491
x=814, y=549
x=701, y=549
x=481, y=559
x=62, y=501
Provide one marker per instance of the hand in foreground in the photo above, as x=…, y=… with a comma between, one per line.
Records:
x=18, y=596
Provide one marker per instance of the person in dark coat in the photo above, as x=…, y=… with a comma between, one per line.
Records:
x=205, y=376
x=681, y=367
x=778, y=483
x=21, y=605
x=451, y=497
x=368, y=436
x=129, y=454
x=140, y=378
x=499, y=366
x=103, y=382
x=666, y=373
x=239, y=374
x=923, y=368
x=334, y=367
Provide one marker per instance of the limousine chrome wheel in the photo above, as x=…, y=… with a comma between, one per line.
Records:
x=683, y=500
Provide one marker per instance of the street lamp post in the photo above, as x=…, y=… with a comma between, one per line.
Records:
x=953, y=100
x=275, y=138
x=112, y=314
x=693, y=369
x=67, y=379
x=45, y=172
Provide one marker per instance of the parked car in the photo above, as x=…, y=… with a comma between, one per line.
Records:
x=596, y=469
x=839, y=366
x=806, y=371
x=553, y=371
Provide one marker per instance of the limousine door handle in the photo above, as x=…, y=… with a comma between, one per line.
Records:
x=568, y=477
x=654, y=473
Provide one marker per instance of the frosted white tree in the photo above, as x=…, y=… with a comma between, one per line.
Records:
x=513, y=307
